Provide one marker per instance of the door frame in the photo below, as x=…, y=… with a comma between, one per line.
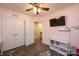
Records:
x=40, y=31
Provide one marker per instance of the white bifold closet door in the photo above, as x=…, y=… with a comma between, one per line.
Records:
x=13, y=32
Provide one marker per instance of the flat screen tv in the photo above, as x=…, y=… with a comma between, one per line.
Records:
x=57, y=22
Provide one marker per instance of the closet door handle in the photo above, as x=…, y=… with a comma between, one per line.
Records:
x=15, y=34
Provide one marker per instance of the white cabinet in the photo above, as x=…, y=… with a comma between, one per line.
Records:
x=64, y=44
x=60, y=47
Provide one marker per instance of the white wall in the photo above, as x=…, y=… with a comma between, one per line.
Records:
x=29, y=23
x=72, y=19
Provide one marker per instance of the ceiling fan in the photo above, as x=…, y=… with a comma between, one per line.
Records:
x=37, y=8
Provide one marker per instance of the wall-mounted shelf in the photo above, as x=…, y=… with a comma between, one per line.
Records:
x=64, y=30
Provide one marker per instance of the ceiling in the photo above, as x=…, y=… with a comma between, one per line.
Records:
x=21, y=7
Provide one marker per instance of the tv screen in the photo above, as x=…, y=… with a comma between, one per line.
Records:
x=52, y=22
x=57, y=22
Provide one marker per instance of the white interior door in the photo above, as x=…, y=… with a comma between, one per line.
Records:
x=0, y=28
x=19, y=34
x=13, y=32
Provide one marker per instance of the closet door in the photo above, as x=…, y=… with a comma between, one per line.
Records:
x=0, y=33
x=13, y=32
x=0, y=28
x=19, y=32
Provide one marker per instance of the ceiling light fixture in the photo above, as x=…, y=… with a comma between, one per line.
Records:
x=35, y=9
x=39, y=10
